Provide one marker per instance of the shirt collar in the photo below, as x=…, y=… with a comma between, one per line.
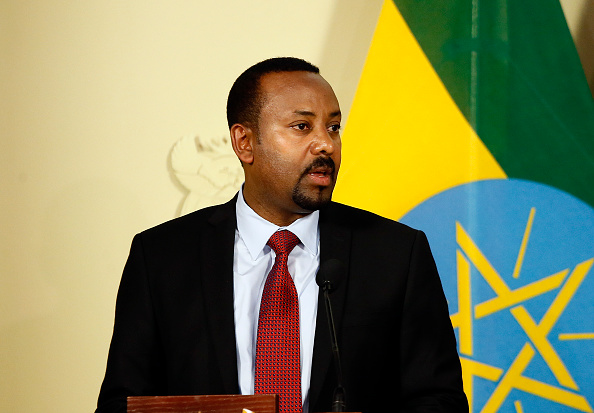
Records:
x=256, y=231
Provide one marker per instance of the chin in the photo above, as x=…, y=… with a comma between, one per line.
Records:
x=312, y=202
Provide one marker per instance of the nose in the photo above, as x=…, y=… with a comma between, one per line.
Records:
x=324, y=143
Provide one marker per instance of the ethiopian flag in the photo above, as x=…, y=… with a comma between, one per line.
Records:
x=473, y=122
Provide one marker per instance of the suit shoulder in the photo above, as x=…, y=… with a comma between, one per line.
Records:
x=192, y=223
x=356, y=218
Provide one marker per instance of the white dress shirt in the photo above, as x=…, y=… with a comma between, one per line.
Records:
x=252, y=261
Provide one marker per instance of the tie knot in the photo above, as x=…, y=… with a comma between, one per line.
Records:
x=283, y=242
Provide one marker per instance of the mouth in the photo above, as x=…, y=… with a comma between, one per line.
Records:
x=321, y=172
x=321, y=178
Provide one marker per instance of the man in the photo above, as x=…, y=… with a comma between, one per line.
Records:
x=193, y=298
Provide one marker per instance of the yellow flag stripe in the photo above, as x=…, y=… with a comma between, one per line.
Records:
x=405, y=138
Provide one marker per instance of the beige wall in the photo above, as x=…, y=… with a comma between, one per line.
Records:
x=93, y=95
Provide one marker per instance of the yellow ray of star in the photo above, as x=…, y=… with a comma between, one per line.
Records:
x=509, y=298
x=472, y=368
x=538, y=333
x=525, y=239
x=566, y=294
x=464, y=306
x=405, y=139
x=505, y=296
x=513, y=379
x=518, y=406
x=576, y=336
x=544, y=347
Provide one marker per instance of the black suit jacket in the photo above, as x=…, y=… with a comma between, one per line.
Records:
x=174, y=328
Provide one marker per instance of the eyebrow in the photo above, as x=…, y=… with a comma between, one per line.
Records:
x=309, y=113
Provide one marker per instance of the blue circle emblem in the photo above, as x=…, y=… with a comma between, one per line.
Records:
x=515, y=258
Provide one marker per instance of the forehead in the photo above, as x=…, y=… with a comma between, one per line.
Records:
x=297, y=91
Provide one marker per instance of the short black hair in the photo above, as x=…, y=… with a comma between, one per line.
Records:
x=245, y=100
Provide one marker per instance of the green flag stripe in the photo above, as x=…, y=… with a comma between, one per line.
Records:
x=512, y=69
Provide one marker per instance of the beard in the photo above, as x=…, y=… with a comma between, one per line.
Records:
x=312, y=201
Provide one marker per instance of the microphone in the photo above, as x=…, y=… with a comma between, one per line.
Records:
x=328, y=278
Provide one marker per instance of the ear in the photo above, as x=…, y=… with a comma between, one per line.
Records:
x=242, y=139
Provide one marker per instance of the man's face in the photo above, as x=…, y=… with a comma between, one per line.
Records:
x=296, y=153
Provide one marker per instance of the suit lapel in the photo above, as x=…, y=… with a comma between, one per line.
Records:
x=216, y=258
x=335, y=242
x=216, y=269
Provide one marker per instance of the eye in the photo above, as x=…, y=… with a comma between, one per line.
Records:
x=301, y=126
x=334, y=128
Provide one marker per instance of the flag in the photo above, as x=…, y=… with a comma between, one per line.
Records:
x=473, y=122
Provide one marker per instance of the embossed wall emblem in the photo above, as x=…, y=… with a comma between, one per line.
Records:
x=208, y=169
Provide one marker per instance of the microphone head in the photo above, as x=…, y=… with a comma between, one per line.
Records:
x=330, y=274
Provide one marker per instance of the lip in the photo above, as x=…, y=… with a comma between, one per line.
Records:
x=321, y=172
x=321, y=176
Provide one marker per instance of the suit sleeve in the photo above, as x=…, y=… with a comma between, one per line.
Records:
x=134, y=356
x=430, y=367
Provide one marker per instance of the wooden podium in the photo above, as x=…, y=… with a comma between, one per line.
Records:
x=234, y=403
x=227, y=403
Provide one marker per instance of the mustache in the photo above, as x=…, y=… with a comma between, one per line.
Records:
x=320, y=162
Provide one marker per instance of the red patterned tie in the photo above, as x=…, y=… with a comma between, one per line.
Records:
x=278, y=368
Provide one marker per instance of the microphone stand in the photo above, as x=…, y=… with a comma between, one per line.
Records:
x=338, y=404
